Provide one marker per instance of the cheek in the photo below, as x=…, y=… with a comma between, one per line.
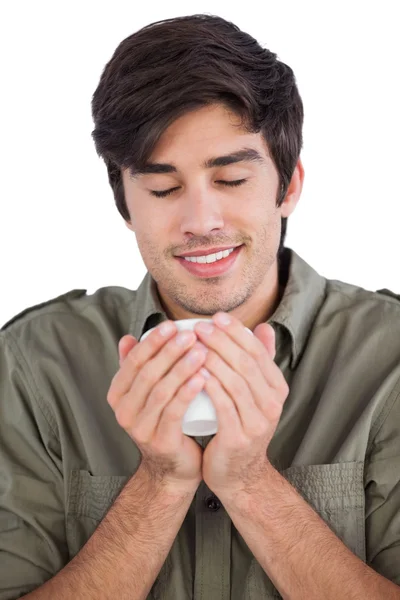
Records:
x=267, y=229
x=261, y=210
x=151, y=255
x=146, y=240
x=152, y=241
x=143, y=220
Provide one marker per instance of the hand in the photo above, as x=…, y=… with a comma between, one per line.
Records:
x=248, y=391
x=150, y=394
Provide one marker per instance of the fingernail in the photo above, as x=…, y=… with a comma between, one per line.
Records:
x=222, y=319
x=200, y=346
x=184, y=337
x=193, y=357
x=205, y=373
x=166, y=328
x=205, y=327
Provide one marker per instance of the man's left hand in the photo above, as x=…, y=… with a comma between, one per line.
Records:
x=248, y=391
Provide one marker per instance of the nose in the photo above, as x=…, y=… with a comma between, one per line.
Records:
x=201, y=212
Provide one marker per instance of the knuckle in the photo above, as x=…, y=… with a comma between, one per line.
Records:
x=112, y=397
x=133, y=358
x=282, y=386
x=285, y=388
x=146, y=373
x=239, y=385
x=157, y=395
x=123, y=417
x=246, y=363
x=173, y=412
x=274, y=410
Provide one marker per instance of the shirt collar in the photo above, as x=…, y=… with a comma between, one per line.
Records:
x=301, y=300
x=147, y=311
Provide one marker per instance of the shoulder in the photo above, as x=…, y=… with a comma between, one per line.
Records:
x=72, y=312
x=345, y=298
x=358, y=322
x=63, y=302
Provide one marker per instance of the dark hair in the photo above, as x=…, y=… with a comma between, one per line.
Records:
x=174, y=66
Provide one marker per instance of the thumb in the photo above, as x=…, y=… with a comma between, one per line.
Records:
x=125, y=345
x=266, y=334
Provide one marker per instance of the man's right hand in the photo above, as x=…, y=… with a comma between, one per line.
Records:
x=150, y=394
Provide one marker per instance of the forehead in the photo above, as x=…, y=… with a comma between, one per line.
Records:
x=208, y=137
x=207, y=125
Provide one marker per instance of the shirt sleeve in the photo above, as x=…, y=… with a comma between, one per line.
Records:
x=32, y=524
x=382, y=485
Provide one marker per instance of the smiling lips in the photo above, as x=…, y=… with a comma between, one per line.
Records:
x=213, y=269
x=209, y=258
x=206, y=252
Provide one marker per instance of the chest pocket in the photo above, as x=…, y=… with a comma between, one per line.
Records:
x=89, y=499
x=336, y=492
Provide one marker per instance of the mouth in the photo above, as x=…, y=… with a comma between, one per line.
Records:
x=214, y=269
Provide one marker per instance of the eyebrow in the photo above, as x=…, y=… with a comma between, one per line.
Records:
x=243, y=155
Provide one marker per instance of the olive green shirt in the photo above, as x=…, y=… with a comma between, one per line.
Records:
x=64, y=458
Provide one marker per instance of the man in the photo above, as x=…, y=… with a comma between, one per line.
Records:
x=297, y=495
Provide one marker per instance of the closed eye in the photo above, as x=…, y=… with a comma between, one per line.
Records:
x=164, y=193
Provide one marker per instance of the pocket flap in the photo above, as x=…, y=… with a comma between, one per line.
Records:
x=331, y=486
x=92, y=495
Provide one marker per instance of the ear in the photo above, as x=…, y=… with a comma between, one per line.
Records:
x=129, y=226
x=294, y=191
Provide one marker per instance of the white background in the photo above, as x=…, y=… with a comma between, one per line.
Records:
x=60, y=229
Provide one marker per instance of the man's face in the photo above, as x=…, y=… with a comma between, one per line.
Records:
x=203, y=213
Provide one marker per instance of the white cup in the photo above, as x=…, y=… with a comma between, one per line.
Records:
x=200, y=417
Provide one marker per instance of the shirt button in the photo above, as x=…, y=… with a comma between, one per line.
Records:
x=212, y=503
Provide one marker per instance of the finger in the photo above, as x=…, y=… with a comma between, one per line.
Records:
x=266, y=334
x=170, y=423
x=246, y=371
x=242, y=351
x=229, y=422
x=244, y=395
x=141, y=353
x=156, y=409
x=134, y=399
x=125, y=345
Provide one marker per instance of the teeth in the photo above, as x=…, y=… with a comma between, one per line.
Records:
x=210, y=258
